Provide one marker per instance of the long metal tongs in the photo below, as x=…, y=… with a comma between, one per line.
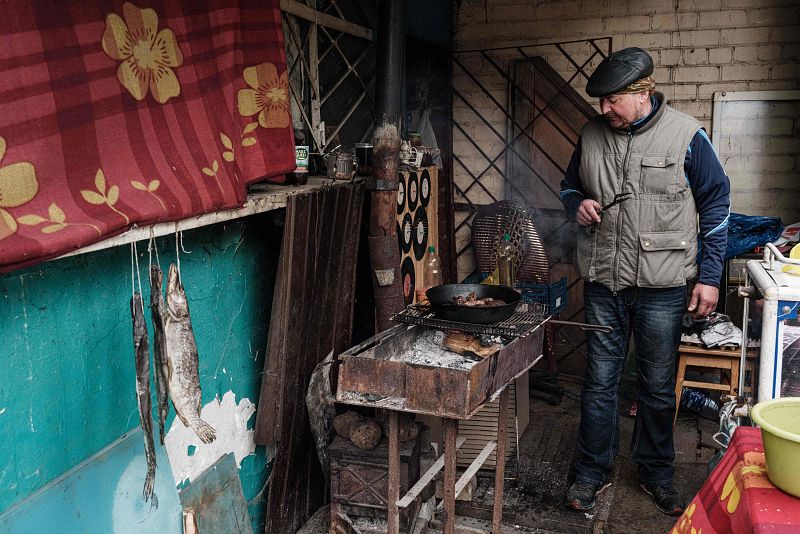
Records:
x=618, y=199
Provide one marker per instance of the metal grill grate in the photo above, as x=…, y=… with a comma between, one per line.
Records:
x=527, y=317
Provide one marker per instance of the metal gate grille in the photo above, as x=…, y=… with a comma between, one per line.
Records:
x=330, y=52
x=517, y=113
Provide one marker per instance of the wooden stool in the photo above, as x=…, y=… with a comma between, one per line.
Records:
x=726, y=360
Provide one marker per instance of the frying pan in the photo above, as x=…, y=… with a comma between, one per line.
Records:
x=441, y=301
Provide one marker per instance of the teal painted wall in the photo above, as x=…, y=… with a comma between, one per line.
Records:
x=67, y=386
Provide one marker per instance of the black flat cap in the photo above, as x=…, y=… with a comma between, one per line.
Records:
x=618, y=71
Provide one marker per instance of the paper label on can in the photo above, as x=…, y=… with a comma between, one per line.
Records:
x=301, y=155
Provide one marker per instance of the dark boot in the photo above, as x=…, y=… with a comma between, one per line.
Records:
x=667, y=498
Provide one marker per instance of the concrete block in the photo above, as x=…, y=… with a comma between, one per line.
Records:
x=720, y=55
x=696, y=38
x=673, y=21
x=650, y=6
x=775, y=16
x=559, y=9
x=745, y=53
x=770, y=127
x=695, y=56
x=743, y=144
x=771, y=163
x=784, y=145
x=582, y=27
x=744, y=36
x=512, y=12
x=733, y=18
x=786, y=70
x=604, y=7
x=745, y=72
x=773, y=85
x=733, y=165
x=627, y=24
x=684, y=92
x=746, y=4
x=769, y=52
x=707, y=90
x=699, y=5
x=696, y=74
x=668, y=57
x=790, y=51
x=785, y=34
x=699, y=109
x=648, y=41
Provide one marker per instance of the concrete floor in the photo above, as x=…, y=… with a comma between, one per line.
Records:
x=535, y=489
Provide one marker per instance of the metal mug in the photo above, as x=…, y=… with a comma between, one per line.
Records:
x=346, y=166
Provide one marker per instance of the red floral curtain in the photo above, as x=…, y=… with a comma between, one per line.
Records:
x=119, y=113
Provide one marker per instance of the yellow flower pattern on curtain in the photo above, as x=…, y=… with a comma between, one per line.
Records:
x=148, y=56
x=267, y=96
x=18, y=186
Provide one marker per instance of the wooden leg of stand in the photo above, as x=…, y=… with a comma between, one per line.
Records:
x=500, y=464
x=394, y=474
x=450, y=432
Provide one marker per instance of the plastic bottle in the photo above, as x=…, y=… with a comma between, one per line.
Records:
x=699, y=403
x=432, y=271
x=506, y=264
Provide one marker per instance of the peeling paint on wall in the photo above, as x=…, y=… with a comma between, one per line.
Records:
x=189, y=456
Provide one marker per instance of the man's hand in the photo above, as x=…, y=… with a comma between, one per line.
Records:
x=704, y=300
x=588, y=212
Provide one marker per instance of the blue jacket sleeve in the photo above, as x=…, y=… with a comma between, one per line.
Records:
x=572, y=194
x=711, y=190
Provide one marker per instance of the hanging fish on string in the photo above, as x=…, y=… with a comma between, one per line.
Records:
x=182, y=358
x=142, y=353
x=159, y=316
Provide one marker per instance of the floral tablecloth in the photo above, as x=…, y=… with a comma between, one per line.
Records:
x=116, y=113
x=738, y=497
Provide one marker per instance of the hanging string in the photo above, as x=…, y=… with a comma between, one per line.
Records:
x=177, y=251
x=138, y=275
x=133, y=282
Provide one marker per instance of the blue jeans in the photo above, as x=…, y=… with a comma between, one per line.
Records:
x=653, y=316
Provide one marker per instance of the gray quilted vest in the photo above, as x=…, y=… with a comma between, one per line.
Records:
x=650, y=240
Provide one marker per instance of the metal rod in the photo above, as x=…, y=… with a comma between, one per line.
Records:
x=449, y=482
x=500, y=461
x=743, y=357
x=394, y=474
x=531, y=45
x=585, y=326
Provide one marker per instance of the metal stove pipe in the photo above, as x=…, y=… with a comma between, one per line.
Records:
x=384, y=252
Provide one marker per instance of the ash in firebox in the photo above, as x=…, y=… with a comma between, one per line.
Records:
x=427, y=350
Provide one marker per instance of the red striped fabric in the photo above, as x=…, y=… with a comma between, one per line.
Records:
x=120, y=113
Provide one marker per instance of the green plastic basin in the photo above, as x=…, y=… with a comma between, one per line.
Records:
x=779, y=420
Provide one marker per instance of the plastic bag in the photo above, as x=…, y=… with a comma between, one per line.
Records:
x=746, y=232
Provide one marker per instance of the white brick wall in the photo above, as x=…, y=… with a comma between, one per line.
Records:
x=699, y=47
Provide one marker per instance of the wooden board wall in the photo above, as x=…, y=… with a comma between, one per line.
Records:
x=312, y=313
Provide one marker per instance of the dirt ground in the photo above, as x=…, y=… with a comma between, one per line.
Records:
x=536, y=488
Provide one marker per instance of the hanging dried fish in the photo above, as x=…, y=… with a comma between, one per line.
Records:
x=183, y=374
x=159, y=315
x=142, y=352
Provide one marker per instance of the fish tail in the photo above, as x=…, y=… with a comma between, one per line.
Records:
x=149, y=483
x=204, y=431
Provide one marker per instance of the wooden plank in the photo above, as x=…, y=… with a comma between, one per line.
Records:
x=324, y=238
x=476, y=464
x=393, y=513
x=427, y=477
x=500, y=468
x=449, y=482
x=329, y=21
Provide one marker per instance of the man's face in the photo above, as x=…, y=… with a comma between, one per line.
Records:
x=623, y=109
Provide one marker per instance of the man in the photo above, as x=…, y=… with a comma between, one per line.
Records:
x=636, y=257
